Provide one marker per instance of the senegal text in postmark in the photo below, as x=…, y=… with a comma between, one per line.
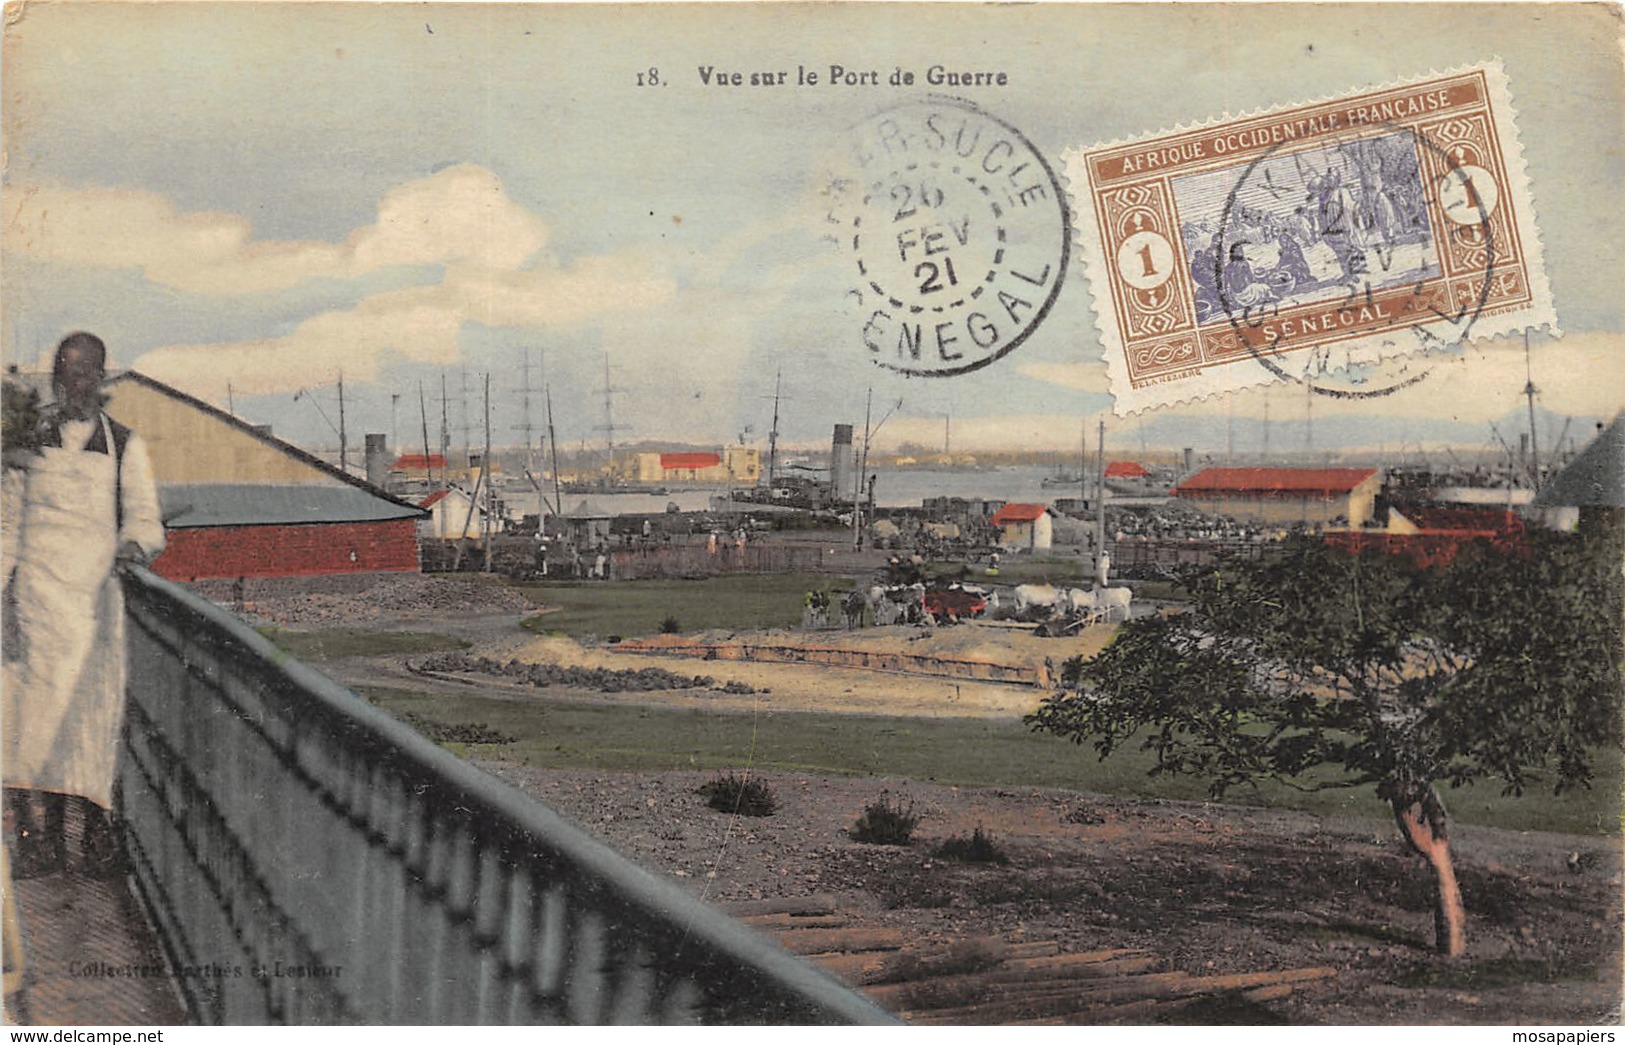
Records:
x=1325, y=243
x=957, y=235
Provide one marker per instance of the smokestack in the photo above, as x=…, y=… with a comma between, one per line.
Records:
x=1190, y=455
x=840, y=462
x=377, y=458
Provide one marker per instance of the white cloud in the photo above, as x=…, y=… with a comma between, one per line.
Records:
x=202, y=251
x=674, y=320
x=354, y=341
x=495, y=271
x=418, y=323
x=458, y=216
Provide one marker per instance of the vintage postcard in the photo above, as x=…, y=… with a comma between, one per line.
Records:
x=800, y=513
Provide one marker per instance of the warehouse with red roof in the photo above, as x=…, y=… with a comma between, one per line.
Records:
x=1284, y=496
x=739, y=465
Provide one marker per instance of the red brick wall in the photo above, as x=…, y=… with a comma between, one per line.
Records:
x=288, y=551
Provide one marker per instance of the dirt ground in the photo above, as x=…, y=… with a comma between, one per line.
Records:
x=1208, y=889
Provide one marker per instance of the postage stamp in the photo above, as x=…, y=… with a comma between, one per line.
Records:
x=1338, y=243
x=957, y=231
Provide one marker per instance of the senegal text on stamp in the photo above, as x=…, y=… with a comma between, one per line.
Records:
x=1311, y=243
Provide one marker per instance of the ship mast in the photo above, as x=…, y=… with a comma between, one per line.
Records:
x=445, y=434
x=1529, y=393
x=1100, y=489
x=423, y=415
x=488, y=519
x=553, y=448
x=773, y=438
x=863, y=466
x=609, y=426
x=343, y=441
x=1083, y=462
x=524, y=425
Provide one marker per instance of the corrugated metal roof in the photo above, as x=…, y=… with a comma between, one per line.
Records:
x=1275, y=480
x=192, y=402
x=252, y=504
x=1596, y=478
x=1018, y=512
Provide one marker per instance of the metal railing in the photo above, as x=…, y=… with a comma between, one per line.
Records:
x=308, y=859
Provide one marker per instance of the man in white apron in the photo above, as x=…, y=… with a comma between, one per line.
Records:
x=88, y=501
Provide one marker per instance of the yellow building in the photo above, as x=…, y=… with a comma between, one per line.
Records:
x=739, y=465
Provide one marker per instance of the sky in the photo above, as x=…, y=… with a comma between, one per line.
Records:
x=249, y=200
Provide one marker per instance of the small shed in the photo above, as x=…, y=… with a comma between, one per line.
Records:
x=453, y=514
x=587, y=526
x=1025, y=527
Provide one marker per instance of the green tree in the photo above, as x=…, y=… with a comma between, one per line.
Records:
x=1322, y=669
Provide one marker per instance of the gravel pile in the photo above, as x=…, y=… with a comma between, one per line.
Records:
x=604, y=680
x=338, y=601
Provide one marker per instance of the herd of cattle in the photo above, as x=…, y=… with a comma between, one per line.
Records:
x=1056, y=610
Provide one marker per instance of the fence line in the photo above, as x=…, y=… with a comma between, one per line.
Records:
x=689, y=560
x=308, y=859
x=1173, y=551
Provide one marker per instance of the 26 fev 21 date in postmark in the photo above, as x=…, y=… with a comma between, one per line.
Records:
x=1339, y=243
x=957, y=234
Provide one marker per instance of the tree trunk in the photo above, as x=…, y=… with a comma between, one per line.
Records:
x=1424, y=826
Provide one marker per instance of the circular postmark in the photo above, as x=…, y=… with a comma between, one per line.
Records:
x=957, y=233
x=1355, y=232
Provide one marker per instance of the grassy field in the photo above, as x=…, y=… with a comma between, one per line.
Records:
x=970, y=752
x=333, y=643
x=583, y=609
x=632, y=608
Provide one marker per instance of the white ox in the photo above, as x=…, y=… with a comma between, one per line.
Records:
x=1035, y=596
x=1100, y=604
x=1113, y=603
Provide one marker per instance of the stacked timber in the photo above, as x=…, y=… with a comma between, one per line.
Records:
x=866, y=658
x=990, y=980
